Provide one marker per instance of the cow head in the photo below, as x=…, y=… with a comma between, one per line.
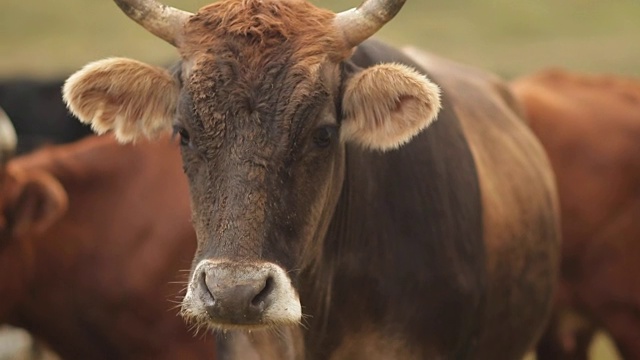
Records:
x=265, y=103
x=30, y=201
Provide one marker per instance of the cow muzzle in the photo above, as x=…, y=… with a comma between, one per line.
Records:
x=225, y=295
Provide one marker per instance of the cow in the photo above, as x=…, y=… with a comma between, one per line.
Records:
x=590, y=127
x=85, y=264
x=335, y=217
x=38, y=113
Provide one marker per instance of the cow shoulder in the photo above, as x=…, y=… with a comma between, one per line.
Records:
x=519, y=197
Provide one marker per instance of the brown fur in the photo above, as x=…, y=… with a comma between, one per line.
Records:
x=590, y=127
x=102, y=280
x=498, y=148
x=264, y=25
x=371, y=344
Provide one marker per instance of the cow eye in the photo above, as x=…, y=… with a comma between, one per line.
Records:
x=323, y=136
x=184, y=135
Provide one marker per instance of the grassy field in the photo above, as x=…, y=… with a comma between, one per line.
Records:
x=510, y=37
x=55, y=37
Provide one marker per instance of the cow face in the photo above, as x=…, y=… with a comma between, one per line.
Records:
x=264, y=106
x=30, y=200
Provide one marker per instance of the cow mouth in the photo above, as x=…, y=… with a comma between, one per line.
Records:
x=216, y=325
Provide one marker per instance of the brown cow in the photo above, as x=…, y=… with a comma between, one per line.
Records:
x=315, y=191
x=91, y=235
x=590, y=126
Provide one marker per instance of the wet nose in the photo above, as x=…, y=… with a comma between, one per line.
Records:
x=227, y=294
x=237, y=298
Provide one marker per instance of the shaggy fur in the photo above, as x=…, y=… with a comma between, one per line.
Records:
x=129, y=97
x=387, y=105
x=265, y=24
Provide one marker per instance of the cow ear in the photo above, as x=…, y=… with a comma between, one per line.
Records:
x=38, y=201
x=386, y=105
x=129, y=97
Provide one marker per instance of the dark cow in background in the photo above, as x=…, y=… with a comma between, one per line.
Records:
x=93, y=237
x=590, y=127
x=329, y=224
x=38, y=113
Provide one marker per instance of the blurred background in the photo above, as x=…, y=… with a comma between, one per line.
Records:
x=49, y=39
x=54, y=37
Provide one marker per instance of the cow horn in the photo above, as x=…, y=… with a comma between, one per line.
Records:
x=360, y=23
x=163, y=21
x=8, y=138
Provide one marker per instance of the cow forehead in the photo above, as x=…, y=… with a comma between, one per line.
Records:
x=259, y=111
x=227, y=96
x=262, y=26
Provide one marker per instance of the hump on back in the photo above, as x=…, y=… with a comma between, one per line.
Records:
x=323, y=206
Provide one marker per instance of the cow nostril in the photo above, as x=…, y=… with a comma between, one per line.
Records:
x=205, y=287
x=260, y=300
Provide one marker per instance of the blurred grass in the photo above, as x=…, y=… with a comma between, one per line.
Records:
x=56, y=37
x=510, y=37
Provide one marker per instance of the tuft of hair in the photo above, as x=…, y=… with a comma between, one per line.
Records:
x=128, y=97
x=386, y=105
x=264, y=25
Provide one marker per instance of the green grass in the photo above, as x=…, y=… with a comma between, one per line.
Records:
x=53, y=37
x=510, y=37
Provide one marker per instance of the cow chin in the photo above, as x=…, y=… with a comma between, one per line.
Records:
x=226, y=295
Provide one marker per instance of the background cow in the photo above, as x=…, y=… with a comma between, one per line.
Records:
x=38, y=114
x=292, y=131
x=590, y=127
x=93, y=237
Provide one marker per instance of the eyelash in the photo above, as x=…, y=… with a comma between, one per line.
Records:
x=185, y=139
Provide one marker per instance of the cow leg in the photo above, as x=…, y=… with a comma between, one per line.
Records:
x=609, y=288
